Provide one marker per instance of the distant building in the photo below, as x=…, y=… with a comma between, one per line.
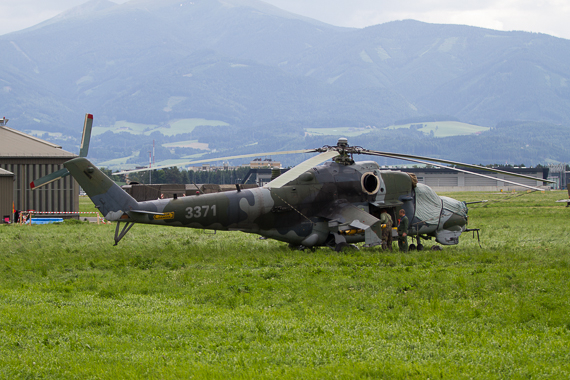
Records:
x=211, y=168
x=30, y=158
x=267, y=163
x=559, y=175
x=143, y=192
x=6, y=195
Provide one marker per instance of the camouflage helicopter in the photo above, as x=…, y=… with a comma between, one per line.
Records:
x=327, y=200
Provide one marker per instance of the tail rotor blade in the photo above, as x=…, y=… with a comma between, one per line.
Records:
x=49, y=178
x=87, y=125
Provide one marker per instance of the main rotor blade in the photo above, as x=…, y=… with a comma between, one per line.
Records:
x=49, y=178
x=218, y=159
x=292, y=174
x=409, y=157
x=86, y=137
x=477, y=174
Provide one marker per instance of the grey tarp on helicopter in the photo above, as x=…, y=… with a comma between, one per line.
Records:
x=428, y=204
x=454, y=206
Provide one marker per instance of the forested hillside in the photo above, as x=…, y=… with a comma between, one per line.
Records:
x=270, y=76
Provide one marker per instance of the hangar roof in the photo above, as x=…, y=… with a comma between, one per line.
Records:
x=14, y=143
x=5, y=173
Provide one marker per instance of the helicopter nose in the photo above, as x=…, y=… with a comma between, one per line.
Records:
x=455, y=220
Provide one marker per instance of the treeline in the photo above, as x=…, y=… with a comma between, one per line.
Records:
x=174, y=175
x=425, y=119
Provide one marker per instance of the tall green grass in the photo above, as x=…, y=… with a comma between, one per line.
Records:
x=181, y=303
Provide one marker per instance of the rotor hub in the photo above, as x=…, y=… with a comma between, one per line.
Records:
x=342, y=142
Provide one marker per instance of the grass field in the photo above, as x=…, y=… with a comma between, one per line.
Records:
x=445, y=128
x=187, y=144
x=171, y=303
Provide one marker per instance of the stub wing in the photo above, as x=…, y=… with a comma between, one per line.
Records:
x=345, y=217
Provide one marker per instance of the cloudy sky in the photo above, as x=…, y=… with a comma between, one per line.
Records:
x=544, y=16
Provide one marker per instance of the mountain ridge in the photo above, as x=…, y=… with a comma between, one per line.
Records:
x=256, y=67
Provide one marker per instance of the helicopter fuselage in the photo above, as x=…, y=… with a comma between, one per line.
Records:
x=313, y=210
x=313, y=204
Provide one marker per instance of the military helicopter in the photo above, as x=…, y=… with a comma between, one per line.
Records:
x=328, y=200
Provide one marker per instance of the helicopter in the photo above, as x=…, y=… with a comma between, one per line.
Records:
x=329, y=200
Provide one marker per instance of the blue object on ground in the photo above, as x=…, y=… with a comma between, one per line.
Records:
x=46, y=220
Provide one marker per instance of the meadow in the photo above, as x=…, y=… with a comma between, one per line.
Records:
x=174, y=127
x=169, y=303
x=340, y=131
x=445, y=128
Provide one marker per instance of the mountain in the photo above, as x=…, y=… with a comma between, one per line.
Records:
x=269, y=73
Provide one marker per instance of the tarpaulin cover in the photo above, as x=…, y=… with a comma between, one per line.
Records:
x=455, y=206
x=428, y=204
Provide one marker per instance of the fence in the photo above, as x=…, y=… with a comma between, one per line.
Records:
x=26, y=216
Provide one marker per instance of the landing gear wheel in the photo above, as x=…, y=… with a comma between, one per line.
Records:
x=412, y=247
x=341, y=246
x=420, y=247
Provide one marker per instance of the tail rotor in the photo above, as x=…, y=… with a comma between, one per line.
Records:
x=87, y=126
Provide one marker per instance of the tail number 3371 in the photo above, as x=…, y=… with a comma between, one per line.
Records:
x=200, y=211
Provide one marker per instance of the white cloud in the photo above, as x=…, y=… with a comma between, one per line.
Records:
x=545, y=16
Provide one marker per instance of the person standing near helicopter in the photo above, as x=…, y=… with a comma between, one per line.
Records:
x=386, y=222
x=403, y=225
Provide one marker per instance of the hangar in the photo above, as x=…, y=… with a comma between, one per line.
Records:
x=30, y=158
x=6, y=195
x=444, y=179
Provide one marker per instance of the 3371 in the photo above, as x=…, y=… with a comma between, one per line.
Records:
x=200, y=211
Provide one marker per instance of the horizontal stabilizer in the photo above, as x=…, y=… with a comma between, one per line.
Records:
x=49, y=178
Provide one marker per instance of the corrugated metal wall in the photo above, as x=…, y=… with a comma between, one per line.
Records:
x=61, y=195
x=6, y=196
x=440, y=180
x=473, y=180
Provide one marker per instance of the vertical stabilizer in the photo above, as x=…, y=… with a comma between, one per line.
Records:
x=107, y=196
